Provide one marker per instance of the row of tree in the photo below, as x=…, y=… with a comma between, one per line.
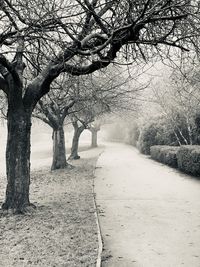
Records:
x=40, y=40
x=82, y=102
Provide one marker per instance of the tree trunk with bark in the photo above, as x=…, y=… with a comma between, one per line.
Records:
x=75, y=141
x=94, y=138
x=18, y=160
x=59, y=151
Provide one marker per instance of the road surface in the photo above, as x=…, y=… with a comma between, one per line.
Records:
x=149, y=213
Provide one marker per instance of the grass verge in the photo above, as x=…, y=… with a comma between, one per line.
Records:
x=62, y=230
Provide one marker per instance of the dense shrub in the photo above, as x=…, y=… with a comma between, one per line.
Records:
x=155, y=133
x=188, y=158
x=147, y=138
x=165, y=154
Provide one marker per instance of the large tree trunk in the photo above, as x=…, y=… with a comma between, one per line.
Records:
x=75, y=143
x=18, y=160
x=94, y=138
x=59, y=152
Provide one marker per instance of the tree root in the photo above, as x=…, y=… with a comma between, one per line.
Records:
x=74, y=157
x=24, y=210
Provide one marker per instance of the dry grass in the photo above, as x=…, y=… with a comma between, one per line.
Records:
x=62, y=230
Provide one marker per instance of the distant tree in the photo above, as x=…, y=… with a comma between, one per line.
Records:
x=112, y=91
x=94, y=129
x=132, y=133
x=89, y=111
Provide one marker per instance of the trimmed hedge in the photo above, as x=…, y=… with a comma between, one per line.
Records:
x=153, y=133
x=188, y=158
x=165, y=154
x=185, y=158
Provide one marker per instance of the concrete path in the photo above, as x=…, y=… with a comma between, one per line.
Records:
x=149, y=213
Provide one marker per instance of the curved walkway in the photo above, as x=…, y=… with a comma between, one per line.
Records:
x=149, y=213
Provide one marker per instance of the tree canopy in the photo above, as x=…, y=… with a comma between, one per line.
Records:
x=50, y=36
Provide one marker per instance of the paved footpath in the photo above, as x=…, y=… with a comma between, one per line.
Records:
x=149, y=213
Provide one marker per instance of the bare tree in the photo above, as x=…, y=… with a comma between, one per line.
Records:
x=53, y=109
x=61, y=32
x=83, y=119
x=94, y=129
x=111, y=88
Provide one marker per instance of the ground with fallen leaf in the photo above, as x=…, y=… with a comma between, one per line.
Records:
x=62, y=230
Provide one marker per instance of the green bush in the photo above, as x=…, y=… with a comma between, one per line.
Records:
x=165, y=154
x=188, y=158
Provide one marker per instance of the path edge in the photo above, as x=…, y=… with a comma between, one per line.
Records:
x=99, y=234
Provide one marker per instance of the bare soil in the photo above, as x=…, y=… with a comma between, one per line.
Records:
x=62, y=230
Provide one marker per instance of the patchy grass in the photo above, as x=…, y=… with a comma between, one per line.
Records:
x=62, y=230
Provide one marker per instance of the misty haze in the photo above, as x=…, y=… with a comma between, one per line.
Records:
x=99, y=133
